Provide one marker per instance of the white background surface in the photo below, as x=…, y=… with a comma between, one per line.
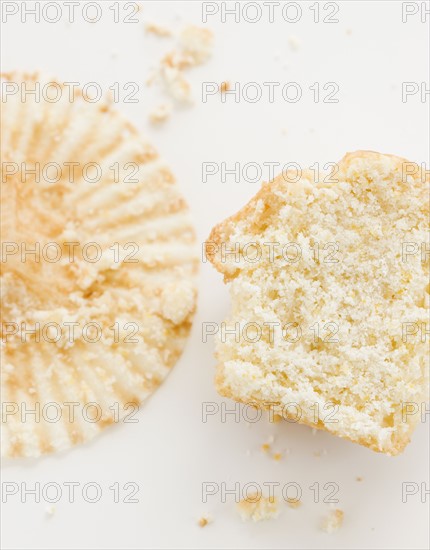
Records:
x=170, y=452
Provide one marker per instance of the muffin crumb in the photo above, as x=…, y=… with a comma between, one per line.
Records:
x=294, y=503
x=160, y=113
x=333, y=521
x=256, y=508
x=157, y=30
x=224, y=87
x=50, y=511
x=204, y=520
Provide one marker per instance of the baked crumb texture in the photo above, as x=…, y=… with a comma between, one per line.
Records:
x=370, y=209
x=157, y=30
x=193, y=48
x=204, y=520
x=294, y=503
x=147, y=288
x=333, y=521
x=257, y=507
x=160, y=113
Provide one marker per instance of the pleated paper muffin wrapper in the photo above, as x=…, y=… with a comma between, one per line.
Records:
x=138, y=296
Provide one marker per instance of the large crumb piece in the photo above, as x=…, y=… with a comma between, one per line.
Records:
x=197, y=42
x=194, y=48
x=256, y=508
x=176, y=85
x=333, y=521
x=338, y=326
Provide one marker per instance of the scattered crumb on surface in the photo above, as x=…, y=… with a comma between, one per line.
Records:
x=265, y=447
x=194, y=47
x=176, y=84
x=224, y=87
x=294, y=503
x=256, y=508
x=204, y=520
x=278, y=417
x=197, y=42
x=294, y=42
x=277, y=456
x=152, y=77
x=50, y=511
x=358, y=478
x=333, y=521
x=160, y=113
x=157, y=30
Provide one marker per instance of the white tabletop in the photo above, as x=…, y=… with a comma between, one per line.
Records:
x=170, y=452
